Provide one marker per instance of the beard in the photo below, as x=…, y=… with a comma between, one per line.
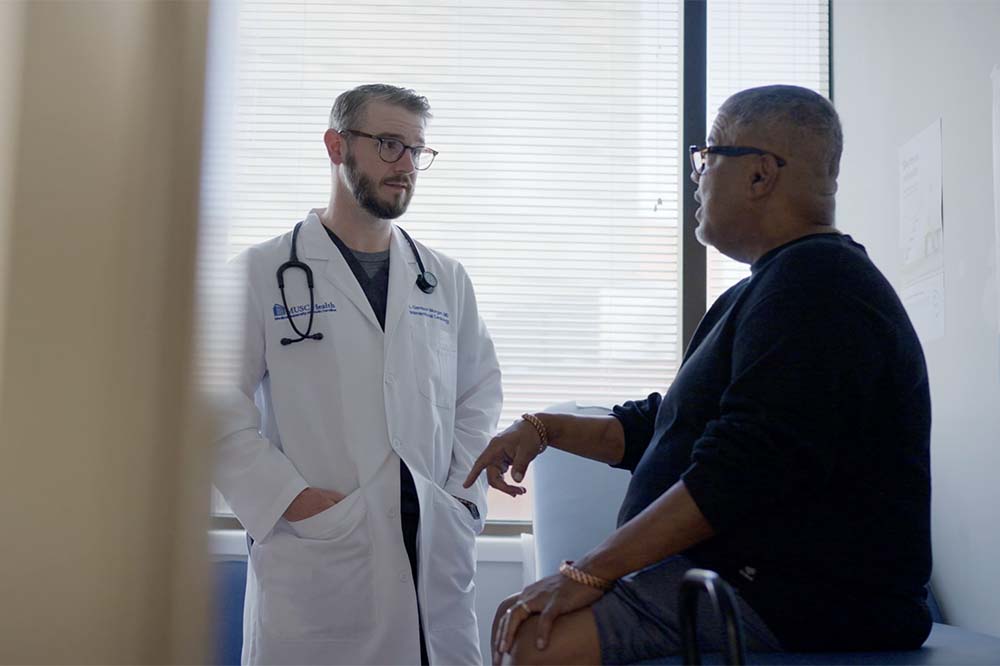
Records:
x=364, y=192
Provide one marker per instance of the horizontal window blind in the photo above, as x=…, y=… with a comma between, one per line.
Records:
x=754, y=43
x=556, y=184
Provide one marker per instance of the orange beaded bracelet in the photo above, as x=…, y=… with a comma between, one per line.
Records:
x=543, y=434
x=567, y=569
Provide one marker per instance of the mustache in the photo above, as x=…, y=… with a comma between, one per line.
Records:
x=405, y=182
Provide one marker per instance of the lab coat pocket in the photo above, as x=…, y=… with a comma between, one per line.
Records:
x=316, y=581
x=463, y=511
x=452, y=564
x=333, y=522
x=435, y=362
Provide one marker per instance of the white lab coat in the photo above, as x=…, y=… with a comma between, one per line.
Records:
x=338, y=414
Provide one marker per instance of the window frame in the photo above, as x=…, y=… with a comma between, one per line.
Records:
x=692, y=255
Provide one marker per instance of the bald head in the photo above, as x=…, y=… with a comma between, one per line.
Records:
x=802, y=122
x=802, y=127
x=783, y=185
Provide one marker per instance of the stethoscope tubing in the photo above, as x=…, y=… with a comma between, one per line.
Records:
x=426, y=282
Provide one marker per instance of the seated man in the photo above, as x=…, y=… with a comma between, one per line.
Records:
x=790, y=454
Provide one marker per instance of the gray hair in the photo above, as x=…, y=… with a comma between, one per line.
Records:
x=801, y=108
x=349, y=108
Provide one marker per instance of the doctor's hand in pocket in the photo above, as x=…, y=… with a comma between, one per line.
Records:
x=513, y=450
x=310, y=502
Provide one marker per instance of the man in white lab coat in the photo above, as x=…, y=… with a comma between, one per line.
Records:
x=361, y=404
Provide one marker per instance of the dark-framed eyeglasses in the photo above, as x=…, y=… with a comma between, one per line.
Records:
x=391, y=150
x=699, y=155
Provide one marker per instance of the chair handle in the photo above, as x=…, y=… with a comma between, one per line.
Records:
x=723, y=602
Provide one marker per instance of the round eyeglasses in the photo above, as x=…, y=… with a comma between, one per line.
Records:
x=391, y=150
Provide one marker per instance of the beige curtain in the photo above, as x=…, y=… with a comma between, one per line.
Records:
x=103, y=480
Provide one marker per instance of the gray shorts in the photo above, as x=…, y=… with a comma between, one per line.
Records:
x=638, y=619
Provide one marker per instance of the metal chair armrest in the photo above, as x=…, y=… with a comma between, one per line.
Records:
x=723, y=602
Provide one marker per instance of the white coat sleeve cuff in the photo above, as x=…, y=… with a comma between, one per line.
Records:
x=264, y=522
x=257, y=480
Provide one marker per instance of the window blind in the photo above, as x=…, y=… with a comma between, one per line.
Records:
x=556, y=184
x=754, y=43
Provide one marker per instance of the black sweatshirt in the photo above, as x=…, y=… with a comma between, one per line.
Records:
x=800, y=423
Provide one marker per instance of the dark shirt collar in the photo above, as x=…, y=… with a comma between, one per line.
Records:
x=766, y=258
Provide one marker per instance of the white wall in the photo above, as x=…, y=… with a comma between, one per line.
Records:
x=898, y=66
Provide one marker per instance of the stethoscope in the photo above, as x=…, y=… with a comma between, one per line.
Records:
x=426, y=281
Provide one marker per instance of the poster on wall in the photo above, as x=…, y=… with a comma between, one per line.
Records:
x=921, y=232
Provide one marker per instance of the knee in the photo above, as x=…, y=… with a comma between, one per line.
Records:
x=524, y=652
x=572, y=640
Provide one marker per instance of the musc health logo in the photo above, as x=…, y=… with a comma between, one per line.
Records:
x=302, y=310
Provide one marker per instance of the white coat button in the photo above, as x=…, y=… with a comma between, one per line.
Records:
x=392, y=514
x=390, y=379
x=402, y=577
x=395, y=443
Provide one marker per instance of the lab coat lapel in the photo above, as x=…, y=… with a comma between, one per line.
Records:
x=317, y=246
x=402, y=282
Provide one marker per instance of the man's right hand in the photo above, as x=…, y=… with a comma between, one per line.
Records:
x=513, y=450
x=310, y=502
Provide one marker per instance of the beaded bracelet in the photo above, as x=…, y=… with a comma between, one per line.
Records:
x=567, y=569
x=543, y=434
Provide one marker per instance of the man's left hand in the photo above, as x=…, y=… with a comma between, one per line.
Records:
x=550, y=597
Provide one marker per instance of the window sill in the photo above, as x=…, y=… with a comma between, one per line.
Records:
x=494, y=528
x=231, y=544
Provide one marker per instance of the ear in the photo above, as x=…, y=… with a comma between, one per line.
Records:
x=334, y=141
x=764, y=177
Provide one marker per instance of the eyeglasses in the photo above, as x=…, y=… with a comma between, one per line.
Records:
x=699, y=155
x=391, y=150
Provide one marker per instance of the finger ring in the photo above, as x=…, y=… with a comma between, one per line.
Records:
x=521, y=604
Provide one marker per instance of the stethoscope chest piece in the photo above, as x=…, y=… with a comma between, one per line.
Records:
x=427, y=282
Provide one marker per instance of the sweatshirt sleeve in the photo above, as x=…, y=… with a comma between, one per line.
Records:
x=638, y=418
